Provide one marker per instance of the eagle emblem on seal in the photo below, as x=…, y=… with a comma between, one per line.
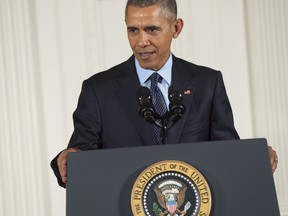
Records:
x=171, y=196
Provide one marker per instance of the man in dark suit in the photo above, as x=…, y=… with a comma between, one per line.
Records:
x=107, y=115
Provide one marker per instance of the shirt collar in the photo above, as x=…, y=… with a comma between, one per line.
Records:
x=165, y=71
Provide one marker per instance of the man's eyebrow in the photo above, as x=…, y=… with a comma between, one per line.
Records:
x=131, y=28
x=153, y=27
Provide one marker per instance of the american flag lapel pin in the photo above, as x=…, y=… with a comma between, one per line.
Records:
x=187, y=92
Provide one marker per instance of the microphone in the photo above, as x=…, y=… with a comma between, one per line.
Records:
x=176, y=106
x=145, y=107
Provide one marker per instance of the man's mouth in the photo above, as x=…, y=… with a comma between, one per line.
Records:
x=145, y=55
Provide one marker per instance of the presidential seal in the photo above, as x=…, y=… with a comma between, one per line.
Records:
x=171, y=188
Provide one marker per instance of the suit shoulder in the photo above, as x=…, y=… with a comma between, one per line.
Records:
x=197, y=70
x=118, y=71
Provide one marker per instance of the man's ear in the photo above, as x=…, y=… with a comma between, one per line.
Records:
x=178, y=26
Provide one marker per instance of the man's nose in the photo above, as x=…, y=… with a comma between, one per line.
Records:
x=143, y=40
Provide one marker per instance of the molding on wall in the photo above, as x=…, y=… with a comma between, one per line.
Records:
x=93, y=35
x=268, y=55
x=22, y=145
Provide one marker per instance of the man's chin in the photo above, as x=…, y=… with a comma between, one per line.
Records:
x=147, y=64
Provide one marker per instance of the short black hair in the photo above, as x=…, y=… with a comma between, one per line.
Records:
x=169, y=6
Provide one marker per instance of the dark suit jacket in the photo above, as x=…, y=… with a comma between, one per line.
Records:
x=107, y=114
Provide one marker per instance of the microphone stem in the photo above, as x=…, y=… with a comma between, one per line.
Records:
x=164, y=134
x=165, y=129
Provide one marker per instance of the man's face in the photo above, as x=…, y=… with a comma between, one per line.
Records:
x=150, y=35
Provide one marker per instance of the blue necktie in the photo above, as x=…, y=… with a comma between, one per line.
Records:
x=159, y=104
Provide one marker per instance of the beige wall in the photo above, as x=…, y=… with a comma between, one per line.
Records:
x=47, y=48
x=267, y=33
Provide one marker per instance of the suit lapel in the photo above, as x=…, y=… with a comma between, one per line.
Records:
x=126, y=94
x=182, y=80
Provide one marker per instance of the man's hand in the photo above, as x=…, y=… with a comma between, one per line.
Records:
x=62, y=162
x=273, y=158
